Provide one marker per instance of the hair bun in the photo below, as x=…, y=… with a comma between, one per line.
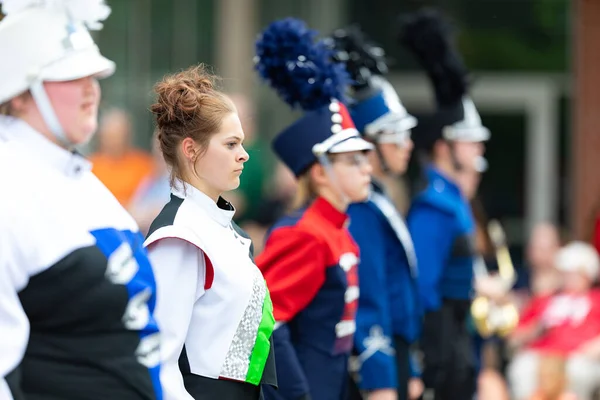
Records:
x=180, y=97
x=188, y=105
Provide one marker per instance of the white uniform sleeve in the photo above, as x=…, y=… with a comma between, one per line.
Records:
x=179, y=270
x=14, y=325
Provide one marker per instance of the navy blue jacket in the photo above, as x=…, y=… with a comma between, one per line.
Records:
x=388, y=305
x=310, y=265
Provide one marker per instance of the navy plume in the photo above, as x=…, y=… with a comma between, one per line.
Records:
x=362, y=57
x=300, y=69
x=429, y=37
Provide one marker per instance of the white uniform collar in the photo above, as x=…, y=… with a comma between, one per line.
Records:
x=222, y=211
x=34, y=144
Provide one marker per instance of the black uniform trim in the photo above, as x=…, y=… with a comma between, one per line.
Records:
x=269, y=376
x=167, y=215
x=13, y=379
x=224, y=204
x=80, y=349
x=463, y=246
x=201, y=388
x=243, y=234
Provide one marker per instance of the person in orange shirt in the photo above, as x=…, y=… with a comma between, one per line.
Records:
x=118, y=165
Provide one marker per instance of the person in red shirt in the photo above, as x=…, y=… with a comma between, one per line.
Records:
x=566, y=324
x=310, y=260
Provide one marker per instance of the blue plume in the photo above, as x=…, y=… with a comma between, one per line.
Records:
x=300, y=69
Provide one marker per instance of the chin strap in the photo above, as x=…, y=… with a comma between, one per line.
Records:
x=455, y=163
x=399, y=139
x=45, y=106
x=324, y=161
x=384, y=167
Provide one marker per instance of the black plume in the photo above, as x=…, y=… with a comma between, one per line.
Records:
x=430, y=38
x=362, y=57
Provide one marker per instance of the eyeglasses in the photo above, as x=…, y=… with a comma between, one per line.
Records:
x=355, y=160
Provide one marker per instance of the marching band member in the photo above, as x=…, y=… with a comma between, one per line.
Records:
x=388, y=319
x=69, y=249
x=440, y=218
x=213, y=307
x=310, y=259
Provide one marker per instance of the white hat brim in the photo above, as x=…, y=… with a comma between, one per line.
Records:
x=79, y=65
x=354, y=143
x=467, y=134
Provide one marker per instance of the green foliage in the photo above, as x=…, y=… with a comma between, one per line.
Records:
x=524, y=35
x=493, y=35
x=504, y=50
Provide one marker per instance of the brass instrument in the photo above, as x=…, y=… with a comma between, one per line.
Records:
x=490, y=317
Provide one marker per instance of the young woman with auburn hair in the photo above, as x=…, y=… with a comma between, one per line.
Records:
x=213, y=304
